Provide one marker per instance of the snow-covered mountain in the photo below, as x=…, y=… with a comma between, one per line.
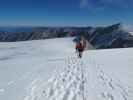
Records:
x=113, y=36
x=131, y=33
x=50, y=70
x=12, y=34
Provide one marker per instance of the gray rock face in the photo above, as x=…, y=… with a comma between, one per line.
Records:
x=110, y=37
x=99, y=37
x=12, y=37
x=40, y=33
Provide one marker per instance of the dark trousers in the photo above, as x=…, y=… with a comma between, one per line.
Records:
x=80, y=52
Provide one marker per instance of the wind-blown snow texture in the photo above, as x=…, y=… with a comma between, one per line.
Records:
x=50, y=70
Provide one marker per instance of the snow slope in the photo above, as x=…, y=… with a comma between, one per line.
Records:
x=22, y=62
x=50, y=70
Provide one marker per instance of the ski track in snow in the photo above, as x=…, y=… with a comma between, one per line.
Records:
x=71, y=83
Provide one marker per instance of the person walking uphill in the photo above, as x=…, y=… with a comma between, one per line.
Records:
x=80, y=46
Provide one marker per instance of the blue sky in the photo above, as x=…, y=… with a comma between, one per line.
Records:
x=65, y=12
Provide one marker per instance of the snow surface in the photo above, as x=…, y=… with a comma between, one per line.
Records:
x=131, y=33
x=50, y=70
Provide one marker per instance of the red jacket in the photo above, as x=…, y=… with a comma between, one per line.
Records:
x=79, y=46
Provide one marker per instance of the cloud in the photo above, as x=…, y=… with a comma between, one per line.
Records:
x=128, y=27
x=84, y=3
x=105, y=4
